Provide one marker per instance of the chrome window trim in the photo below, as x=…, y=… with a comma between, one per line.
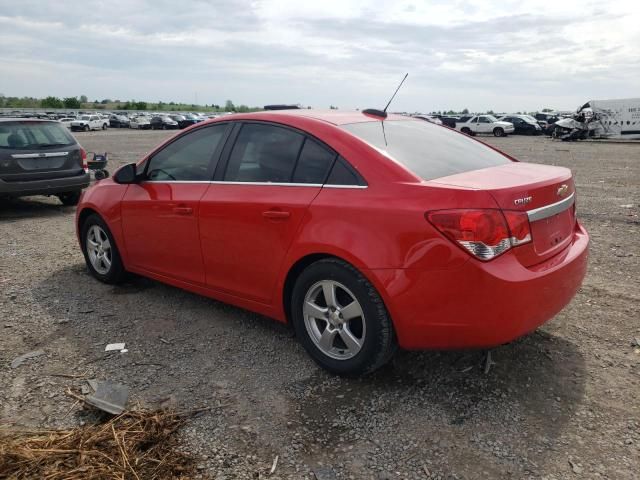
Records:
x=259, y=184
x=551, y=210
x=39, y=155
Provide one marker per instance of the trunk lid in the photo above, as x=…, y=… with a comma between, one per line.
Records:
x=546, y=193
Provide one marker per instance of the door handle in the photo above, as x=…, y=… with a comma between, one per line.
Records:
x=183, y=210
x=276, y=215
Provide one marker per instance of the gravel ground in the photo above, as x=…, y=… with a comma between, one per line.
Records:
x=563, y=402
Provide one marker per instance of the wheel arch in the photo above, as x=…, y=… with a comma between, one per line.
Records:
x=303, y=262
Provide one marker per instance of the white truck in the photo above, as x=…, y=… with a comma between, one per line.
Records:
x=613, y=118
x=485, y=124
x=90, y=122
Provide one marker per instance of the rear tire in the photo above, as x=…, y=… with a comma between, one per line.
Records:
x=100, y=251
x=69, y=198
x=104, y=126
x=498, y=132
x=349, y=334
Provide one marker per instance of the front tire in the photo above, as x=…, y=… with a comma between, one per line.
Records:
x=100, y=251
x=498, y=132
x=86, y=128
x=466, y=131
x=341, y=319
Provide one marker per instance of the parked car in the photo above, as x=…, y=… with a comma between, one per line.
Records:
x=184, y=121
x=140, y=122
x=523, y=124
x=89, y=122
x=40, y=157
x=484, y=124
x=119, y=121
x=428, y=118
x=66, y=121
x=364, y=235
x=449, y=121
x=163, y=122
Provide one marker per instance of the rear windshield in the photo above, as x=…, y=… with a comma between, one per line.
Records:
x=428, y=150
x=30, y=135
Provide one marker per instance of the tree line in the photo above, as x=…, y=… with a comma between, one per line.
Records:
x=76, y=103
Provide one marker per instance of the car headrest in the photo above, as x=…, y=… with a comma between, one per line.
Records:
x=275, y=161
x=15, y=141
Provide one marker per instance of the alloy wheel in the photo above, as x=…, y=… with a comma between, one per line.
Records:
x=99, y=249
x=334, y=319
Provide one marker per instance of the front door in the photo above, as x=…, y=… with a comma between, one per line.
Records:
x=250, y=217
x=160, y=213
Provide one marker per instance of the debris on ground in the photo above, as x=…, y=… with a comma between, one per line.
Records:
x=274, y=465
x=115, y=346
x=577, y=469
x=324, y=473
x=108, y=396
x=488, y=362
x=135, y=445
x=22, y=358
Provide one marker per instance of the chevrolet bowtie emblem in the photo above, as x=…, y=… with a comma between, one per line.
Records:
x=563, y=190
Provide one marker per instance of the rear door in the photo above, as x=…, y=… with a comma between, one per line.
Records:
x=160, y=214
x=37, y=150
x=251, y=214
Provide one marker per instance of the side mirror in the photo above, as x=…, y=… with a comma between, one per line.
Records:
x=126, y=174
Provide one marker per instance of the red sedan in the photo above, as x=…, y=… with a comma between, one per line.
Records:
x=365, y=233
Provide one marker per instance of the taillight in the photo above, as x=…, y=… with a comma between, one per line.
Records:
x=485, y=233
x=85, y=165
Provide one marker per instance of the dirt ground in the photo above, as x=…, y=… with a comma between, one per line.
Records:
x=563, y=402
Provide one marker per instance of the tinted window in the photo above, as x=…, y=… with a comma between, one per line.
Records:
x=25, y=135
x=343, y=174
x=263, y=153
x=428, y=150
x=483, y=120
x=314, y=163
x=188, y=158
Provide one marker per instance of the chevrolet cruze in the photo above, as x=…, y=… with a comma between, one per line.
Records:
x=365, y=232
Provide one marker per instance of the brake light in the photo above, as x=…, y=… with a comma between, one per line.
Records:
x=85, y=165
x=484, y=233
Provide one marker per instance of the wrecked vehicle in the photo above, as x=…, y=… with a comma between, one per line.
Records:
x=602, y=119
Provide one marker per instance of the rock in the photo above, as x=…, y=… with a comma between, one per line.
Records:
x=22, y=358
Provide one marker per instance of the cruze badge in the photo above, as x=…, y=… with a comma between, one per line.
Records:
x=522, y=201
x=563, y=190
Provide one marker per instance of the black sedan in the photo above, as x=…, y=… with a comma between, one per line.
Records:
x=184, y=121
x=119, y=121
x=523, y=124
x=163, y=122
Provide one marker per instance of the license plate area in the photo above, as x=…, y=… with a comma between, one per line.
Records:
x=552, y=233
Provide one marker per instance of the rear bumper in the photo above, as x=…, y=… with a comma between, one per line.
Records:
x=45, y=187
x=481, y=304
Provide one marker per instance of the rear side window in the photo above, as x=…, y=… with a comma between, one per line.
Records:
x=33, y=135
x=264, y=153
x=343, y=174
x=189, y=158
x=428, y=150
x=314, y=163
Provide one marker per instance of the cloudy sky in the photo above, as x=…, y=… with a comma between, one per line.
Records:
x=493, y=54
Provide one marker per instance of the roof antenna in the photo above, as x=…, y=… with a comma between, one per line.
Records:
x=383, y=113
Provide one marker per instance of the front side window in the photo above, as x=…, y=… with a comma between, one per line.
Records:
x=189, y=158
x=483, y=120
x=264, y=153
